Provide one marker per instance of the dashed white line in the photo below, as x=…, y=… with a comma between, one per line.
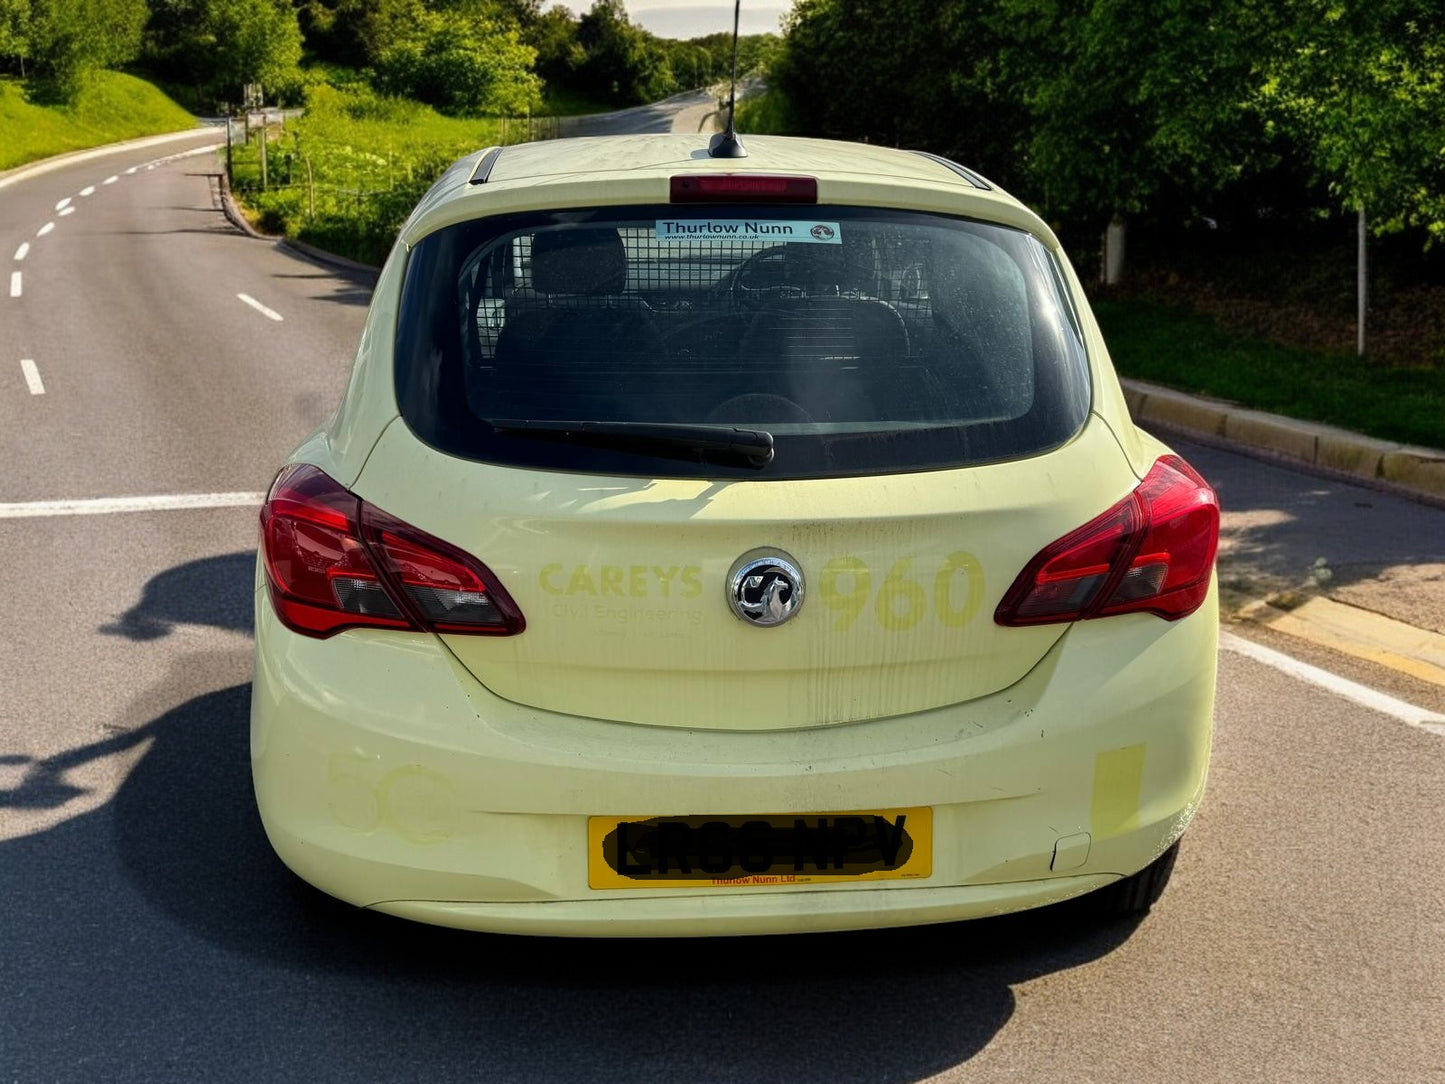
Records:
x=43, y=230
x=63, y=204
x=88, y=190
x=111, y=179
x=32, y=376
x=1350, y=690
x=270, y=314
x=15, y=284
x=67, y=211
x=106, y=505
x=132, y=169
x=23, y=250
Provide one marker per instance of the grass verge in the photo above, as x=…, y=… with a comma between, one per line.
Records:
x=1184, y=350
x=346, y=174
x=111, y=106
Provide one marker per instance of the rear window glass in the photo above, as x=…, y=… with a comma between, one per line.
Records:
x=625, y=340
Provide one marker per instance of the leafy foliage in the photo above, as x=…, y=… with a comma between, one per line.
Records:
x=1093, y=108
x=620, y=61
x=1364, y=86
x=69, y=39
x=460, y=65
x=220, y=45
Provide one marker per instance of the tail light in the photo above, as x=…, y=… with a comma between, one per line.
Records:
x=1152, y=552
x=334, y=562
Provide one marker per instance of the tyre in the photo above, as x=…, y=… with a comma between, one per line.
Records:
x=1132, y=896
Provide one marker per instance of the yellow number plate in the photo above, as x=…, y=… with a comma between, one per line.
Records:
x=750, y=850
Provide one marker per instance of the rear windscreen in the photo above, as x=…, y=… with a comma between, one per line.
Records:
x=618, y=340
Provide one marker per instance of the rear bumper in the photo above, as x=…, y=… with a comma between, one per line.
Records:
x=388, y=776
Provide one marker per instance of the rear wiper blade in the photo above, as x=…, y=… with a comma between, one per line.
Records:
x=753, y=446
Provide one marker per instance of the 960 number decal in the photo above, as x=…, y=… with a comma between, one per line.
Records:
x=953, y=593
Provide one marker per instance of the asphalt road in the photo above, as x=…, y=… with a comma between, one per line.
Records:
x=151, y=935
x=684, y=112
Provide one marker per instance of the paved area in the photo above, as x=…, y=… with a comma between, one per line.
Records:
x=152, y=936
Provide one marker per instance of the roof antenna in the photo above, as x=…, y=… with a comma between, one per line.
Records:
x=726, y=144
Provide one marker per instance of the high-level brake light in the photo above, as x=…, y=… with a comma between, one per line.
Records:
x=1153, y=552
x=334, y=562
x=743, y=188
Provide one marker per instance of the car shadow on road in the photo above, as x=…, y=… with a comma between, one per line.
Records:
x=339, y=286
x=158, y=936
x=213, y=591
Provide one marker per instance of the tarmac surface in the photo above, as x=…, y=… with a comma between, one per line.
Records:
x=153, y=935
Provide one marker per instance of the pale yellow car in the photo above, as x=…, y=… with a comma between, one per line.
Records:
x=729, y=546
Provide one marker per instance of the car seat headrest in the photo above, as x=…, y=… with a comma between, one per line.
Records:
x=579, y=261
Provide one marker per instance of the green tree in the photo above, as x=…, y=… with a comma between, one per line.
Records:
x=622, y=63
x=15, y=32
x=256, y=41
x=928, y=88
x=553, y=34
x=1124, y=99
x=69, y=38
x=1362, y=86
x=218, y=46
x=461, y=65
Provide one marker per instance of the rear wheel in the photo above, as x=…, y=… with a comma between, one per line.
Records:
x=1132, y=896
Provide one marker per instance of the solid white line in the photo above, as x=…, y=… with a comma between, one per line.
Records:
x=15, y=284
x=23, y=250
x=104, y=505
x=193, y=153
x=32, y=377
x=63, y=161
x=63, y=204
x=43, y=230
x=1350, y=690
x=89, y=190
x=270, y=314
x=111, y=179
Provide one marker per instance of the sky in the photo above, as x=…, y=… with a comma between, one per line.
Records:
x=693, y=18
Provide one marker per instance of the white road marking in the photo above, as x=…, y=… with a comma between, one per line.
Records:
x=15, y=284
x=132, y=169
x=43, y=230
x=195, y=152
x=106, y=505
x=32, y=377
x=1350, y=690
x=66, y=161
x=111, y=179
x=89, y=190
x=63, y=204
x=23, y=250
x=270, y=314
x=67, y=211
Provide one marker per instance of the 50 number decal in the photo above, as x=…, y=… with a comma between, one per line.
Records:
x=902, y=600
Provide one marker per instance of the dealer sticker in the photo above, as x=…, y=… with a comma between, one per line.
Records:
x=733, y=229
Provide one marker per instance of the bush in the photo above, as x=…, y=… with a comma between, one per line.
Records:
x=346, y=174
x=461, y=66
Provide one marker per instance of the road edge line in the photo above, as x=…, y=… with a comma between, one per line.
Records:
x=107, y=505
x=60, y=161
x=1399, y=710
